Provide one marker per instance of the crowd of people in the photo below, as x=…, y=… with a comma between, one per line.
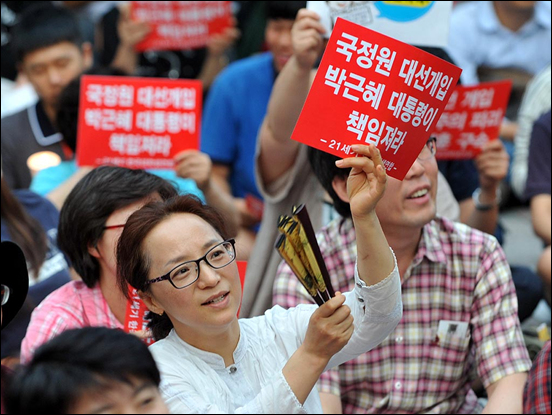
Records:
x=428, y=311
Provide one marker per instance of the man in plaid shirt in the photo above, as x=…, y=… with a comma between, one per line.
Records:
x=460, y=306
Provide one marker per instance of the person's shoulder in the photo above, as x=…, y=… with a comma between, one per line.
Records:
x=14, y=122
x=63, y=299
x=466, y=11
x=33, y=201
x=461, y=235
x=244, y=68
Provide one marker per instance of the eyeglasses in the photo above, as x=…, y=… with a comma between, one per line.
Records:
x=114, y=226
x=5, y=294
x=187, y=273
x=429, y=150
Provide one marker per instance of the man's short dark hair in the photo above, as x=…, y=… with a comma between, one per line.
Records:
x=85, y=211
x=42, y=26
x=284, y=9
x=324, y=168
x=78, y=360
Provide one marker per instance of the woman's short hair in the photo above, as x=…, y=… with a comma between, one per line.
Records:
x=87, y=208
x=133, y=265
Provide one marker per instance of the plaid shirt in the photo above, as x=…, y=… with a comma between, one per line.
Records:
x=536, y=396
x=458, y=274
x=71, y=306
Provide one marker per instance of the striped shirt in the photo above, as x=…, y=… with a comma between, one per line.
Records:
x=458, y=274
x=71, y=306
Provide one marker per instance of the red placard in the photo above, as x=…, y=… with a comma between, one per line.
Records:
x=178, y=25
x=471, y=119
x=135, y=318
x=373, y=89
x=139, y=123
x=242, y=269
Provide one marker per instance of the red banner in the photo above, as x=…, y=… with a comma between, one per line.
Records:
x=242, y=269
x=139, y=123
x=178, y=25
x=135, y=319
x=471, y=119
x=373, y=89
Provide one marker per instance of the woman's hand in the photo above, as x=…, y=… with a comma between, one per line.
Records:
x=330, y=328
x=367, y=180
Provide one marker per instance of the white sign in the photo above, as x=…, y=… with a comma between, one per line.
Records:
x=419, y=23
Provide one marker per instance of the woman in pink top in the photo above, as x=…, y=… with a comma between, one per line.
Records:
x=91, y=222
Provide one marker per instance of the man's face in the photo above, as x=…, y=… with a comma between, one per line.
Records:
x=51, y=68
x=410, y=204
x=278, y=40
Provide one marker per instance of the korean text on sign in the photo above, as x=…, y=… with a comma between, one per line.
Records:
x=471, y=119
x=137, y=122
x=178, y=25
x=372, y=89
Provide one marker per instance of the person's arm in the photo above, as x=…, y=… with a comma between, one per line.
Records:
x=331, y=404
x=365, y=187
x=217, y=59
x=492, y=166
x=131, y=33
x=541, y=216
x=506, y=395
x=197, y=166
x=277, y=151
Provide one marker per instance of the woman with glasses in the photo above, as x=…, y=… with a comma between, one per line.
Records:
x=177, y=255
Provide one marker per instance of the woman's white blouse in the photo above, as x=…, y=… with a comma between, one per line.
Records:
x=197, y=382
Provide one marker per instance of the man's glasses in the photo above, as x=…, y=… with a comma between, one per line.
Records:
x=187, y=273
x=5, y=294
x=429, y=150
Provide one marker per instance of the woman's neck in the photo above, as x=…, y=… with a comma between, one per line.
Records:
x=223, y=343
x=115, y=299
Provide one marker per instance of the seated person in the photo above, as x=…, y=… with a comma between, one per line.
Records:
x=460, y=301
x=537, y=191
x=50, y=52
x=31, y=222
x=88, y=371
x=91, y=222
x=212, y=362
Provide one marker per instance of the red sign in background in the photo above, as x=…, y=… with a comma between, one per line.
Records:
x=373, y=89
x=178, y=25
x=139, y=123
x=471, y=119
x=135, y=318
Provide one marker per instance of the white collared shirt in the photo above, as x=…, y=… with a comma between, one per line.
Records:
x=195, y=381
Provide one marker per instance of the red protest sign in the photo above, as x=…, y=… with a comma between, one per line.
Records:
x=373, y=89
x=471, y=119
x=242, y=269
x=135, y=318
x=178, y=25
x=139, y=123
